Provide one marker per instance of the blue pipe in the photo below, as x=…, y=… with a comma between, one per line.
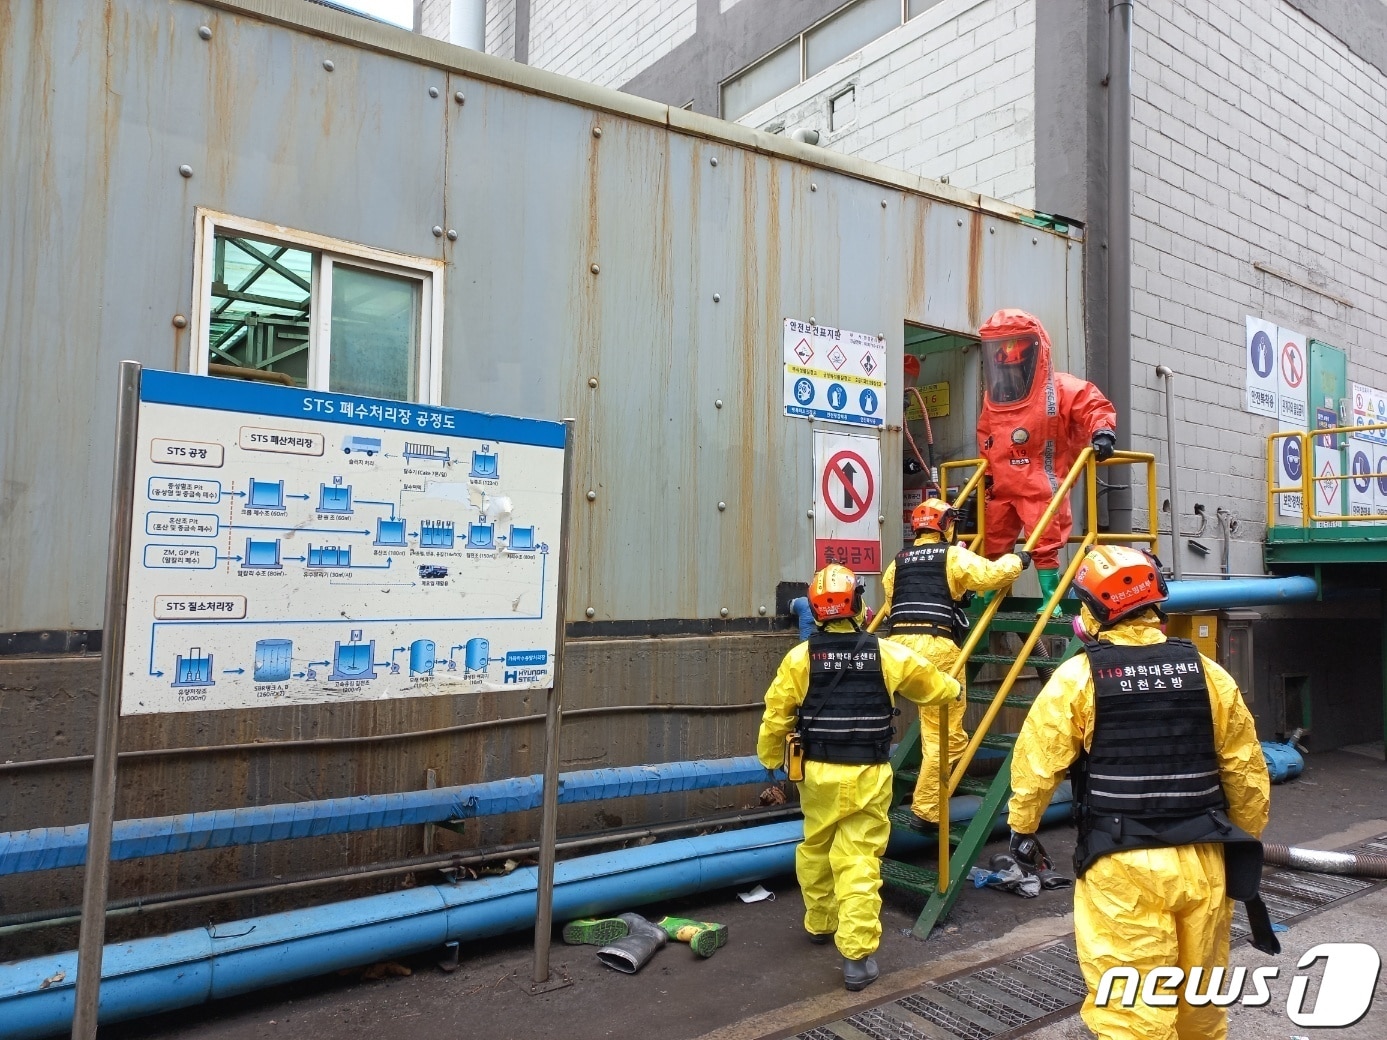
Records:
x=1186, y=596
x=48, y=848
x=186, y=968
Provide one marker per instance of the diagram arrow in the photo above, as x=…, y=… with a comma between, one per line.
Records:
x=238, y=494
x=300, y=675
x=377, y=584
x=233, y=671
x=323, y=663
x=152, y=671
x=309, y=530
x=848, y=471
x=236, y=558
x=301, y=559
x=397, y=650
x=304, y=497
x=451, y=649
x=374, y=502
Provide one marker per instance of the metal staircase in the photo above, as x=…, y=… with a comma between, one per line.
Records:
x=1032, y=620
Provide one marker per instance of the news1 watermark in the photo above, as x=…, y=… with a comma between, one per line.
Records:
x=1346, y=984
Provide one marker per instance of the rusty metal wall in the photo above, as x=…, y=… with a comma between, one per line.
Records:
x=103, y=104
x=705, y=236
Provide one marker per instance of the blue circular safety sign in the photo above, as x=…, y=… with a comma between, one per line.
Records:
x=1260, y=352
x=1361, y=467
x=837, y=397
x=1290, y=457
x=804, y=390
x=1382, y=481
x=868, y=401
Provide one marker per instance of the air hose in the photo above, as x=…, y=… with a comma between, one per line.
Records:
x=927, y=460
x=1352, y=863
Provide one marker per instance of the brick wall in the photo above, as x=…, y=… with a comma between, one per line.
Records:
x=434, y=16
x=1257, y=136
x=606, y=41
x=500, y=28
x=949, y=94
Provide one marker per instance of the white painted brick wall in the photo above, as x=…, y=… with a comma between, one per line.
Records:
x=606, y=42
x=500, y=28
x=436, y=17
x=949, y=94
x=1257, y=136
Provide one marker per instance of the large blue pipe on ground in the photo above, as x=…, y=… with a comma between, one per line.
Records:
x=167, y=972
x=1186, y=596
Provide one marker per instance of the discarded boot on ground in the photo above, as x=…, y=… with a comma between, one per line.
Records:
x=594, y=931
x=859, y=974
x=705, y=938
x=630, y=954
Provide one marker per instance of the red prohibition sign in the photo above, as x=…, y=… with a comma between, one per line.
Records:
x=845, y=465
x=1292, y=364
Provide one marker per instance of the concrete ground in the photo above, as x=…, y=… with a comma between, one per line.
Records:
x=769, y=981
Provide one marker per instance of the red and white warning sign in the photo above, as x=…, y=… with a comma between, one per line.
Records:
x=847, y=501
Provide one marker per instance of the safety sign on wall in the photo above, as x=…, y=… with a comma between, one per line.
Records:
x=834, y=374
x=1369, y=408
x=1293, y=391
x=292, y=547
x=1261, y=357
x=847, y=501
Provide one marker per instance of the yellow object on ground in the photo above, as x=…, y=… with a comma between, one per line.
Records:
x=967, y=572
x=845, y=826
x=1143, y=908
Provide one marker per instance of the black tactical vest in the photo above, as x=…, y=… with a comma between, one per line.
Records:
x=1151, y=776
x=849, y=722
x=920, y=600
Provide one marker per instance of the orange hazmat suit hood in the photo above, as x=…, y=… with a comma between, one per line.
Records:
x=1016, y=357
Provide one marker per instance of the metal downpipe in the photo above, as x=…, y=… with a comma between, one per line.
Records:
x=1173, y=464
x=1119, y=388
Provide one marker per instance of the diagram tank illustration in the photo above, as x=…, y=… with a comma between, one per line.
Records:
x=476, y=653
x=273, y=659
x=422, y=656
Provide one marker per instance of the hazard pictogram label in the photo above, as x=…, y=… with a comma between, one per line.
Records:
x=804, y=351
x=837, y=358
x=869, y=364
x=1329, y=489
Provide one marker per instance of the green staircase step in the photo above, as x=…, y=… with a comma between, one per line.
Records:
x=1031, y=662
x=1000, y=741
x=902, y=817
x=919, y=880
x=1014, y=700
x=1024, y=620
x=977, y=785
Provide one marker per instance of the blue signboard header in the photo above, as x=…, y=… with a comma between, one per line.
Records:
x=236, y=395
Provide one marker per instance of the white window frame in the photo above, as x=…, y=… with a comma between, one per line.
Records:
x=326, y=252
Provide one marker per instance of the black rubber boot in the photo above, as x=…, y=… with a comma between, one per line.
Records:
x=858, y=975
x=632, y=953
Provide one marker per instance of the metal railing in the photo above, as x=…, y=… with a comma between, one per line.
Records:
x=1306, y=440
x=1086, y=466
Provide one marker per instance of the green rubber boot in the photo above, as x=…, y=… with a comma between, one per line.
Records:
x=594, y=931
x=704, y=937
x=1049, y=581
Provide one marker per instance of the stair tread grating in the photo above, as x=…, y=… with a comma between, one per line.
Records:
x=1023, y=701
x=877, y=1024
x=921, y=880
x=967, y=991
x=947, y=1018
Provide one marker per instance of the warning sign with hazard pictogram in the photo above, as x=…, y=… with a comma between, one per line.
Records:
x=834, y=375
x=1293, y=388
x=847, y=506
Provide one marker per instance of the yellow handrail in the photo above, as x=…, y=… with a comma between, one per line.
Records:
x=1308, y=478
x=1087, y=464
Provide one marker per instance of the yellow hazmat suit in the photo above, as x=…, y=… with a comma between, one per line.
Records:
x=1143, y=908
x=845, y=826
x=967, y=572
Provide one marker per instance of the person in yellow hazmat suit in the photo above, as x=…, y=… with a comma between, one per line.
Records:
x=834, y=692
x=925, y=586
x=1170, y=793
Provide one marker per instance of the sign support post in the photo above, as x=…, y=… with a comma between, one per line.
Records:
x=92, y=938
x=549, y=812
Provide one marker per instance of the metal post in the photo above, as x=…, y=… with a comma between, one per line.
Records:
x=549, y=812
x=92, y=937
x=1119, y=388
x=1169, y=377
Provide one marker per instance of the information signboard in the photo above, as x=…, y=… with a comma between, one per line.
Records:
x=293, y=546
x=834, y=375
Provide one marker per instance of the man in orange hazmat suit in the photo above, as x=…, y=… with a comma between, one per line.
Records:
x=1033, y=425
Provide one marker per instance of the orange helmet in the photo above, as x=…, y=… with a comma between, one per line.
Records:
x=934, y=514
x=1115, y=582
x=835, y=594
